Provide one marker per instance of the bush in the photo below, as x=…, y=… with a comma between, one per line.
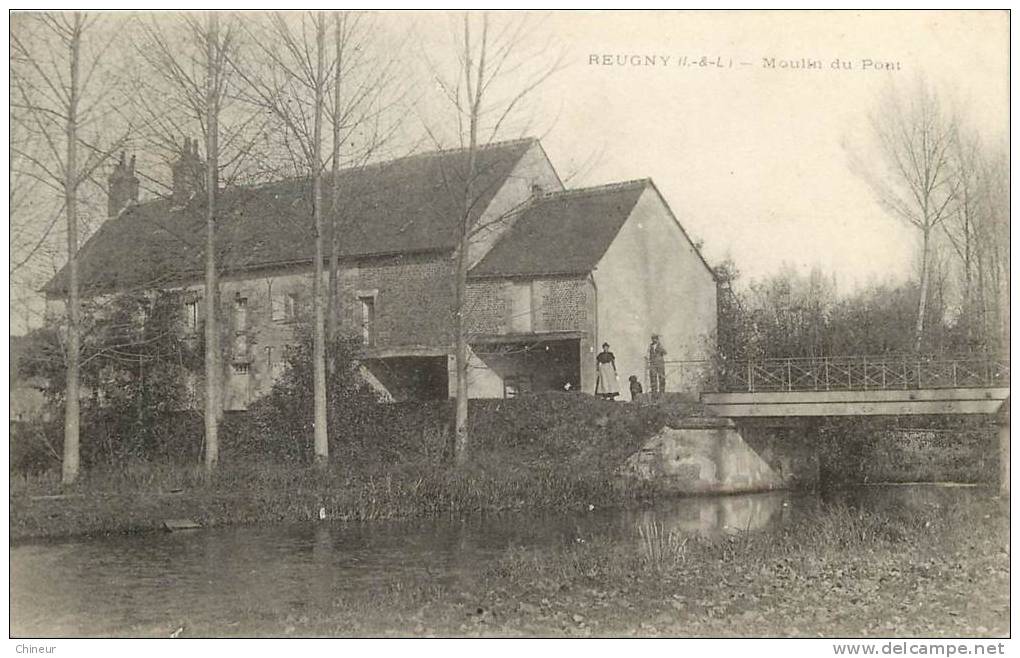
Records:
x=911, y=449
x=280, y=424
x=107, y=438
x=538, y=431
x=135, y=370
x=35, y=446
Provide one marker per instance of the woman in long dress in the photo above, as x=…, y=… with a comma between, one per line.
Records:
x=607, y=385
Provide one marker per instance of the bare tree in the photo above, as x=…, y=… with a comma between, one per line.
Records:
x=191, y=85
x=496, y=71
x=214, y=65
x=292, y=81
x=960, y=229
x=66, y=93
x=365, y=91
x=991, y=250
x=912, y=175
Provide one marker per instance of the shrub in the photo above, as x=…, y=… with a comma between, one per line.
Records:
x=135, y=371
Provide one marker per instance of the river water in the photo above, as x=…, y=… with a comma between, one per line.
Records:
x=146, y=582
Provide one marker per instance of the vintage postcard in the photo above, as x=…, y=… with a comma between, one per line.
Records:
x=530, y=324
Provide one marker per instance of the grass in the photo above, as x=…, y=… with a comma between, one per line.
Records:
x=139, y=496
x=555, y=452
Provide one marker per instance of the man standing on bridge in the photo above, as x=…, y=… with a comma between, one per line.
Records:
x=656, y=367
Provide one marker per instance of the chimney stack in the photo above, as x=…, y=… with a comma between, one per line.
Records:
x=123, y=186
x=188, y=173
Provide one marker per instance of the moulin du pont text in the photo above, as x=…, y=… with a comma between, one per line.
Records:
x=634, y=60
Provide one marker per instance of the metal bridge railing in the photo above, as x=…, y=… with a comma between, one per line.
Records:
x=863, y=373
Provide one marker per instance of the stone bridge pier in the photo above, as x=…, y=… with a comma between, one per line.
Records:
x=719, y=455
x=704, y=455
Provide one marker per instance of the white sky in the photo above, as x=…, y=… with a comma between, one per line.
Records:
x=751, y=160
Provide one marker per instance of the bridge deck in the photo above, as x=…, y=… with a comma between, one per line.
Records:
x=857, y=403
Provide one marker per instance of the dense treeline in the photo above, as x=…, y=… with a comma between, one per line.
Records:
x=790, y=314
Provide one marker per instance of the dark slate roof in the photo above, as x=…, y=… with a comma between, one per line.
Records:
x=563, y=232
x=402, y=206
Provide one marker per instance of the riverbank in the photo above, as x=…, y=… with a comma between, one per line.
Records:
x=550, y=452
x=141, y=497
x=937, y=571
x=555, y=452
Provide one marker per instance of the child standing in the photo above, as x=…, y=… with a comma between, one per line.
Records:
x=635, y=388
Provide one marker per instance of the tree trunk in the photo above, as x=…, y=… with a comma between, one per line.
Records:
x=461, y=439
x=319, y=349
x=970, y=315
x=333, y=302
x=213, y=405
x=980, y=303
x=71, y=408
x=922, y=301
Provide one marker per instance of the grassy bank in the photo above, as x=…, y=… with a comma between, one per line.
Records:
x=139, y=497
x=838, y=572
x=556, y=451
x=545, y=452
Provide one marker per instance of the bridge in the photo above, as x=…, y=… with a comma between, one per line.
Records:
x=860, y=386
x=761, y=396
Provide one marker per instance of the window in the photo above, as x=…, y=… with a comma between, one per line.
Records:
x=367, y=304
x=240, y=313
x=283, y=305
x=274, y=364
x=519, y=307
x=240, y=343
x=240, y=346
x=191, y=316
x=238, y=387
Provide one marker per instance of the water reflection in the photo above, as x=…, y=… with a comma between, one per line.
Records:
x=154, y=583
x=714, y=515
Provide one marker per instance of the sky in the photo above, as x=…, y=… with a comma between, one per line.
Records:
x=754, y=160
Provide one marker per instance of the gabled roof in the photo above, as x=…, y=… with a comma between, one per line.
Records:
x=408, y=205
x=563, y=232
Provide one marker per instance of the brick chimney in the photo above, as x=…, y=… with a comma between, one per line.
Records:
x=123, y=186
x=188, y=173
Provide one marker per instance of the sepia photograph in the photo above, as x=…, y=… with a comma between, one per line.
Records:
x=339, y=323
